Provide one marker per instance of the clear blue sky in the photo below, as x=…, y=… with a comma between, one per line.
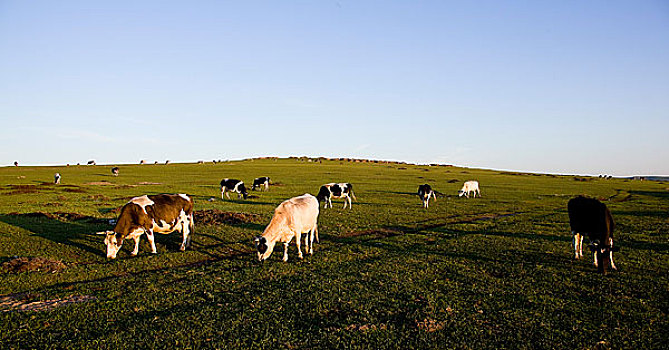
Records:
x=548, y=86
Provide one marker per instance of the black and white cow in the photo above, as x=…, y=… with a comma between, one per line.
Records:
x=260, y=181
x=56, y=178
x=115, y=171
x=588, y=216
x=336, y=190
x=425, y=192
x=161, y=213
x=231, y=185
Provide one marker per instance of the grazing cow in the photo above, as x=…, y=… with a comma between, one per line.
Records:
x=16, y=163
x=425, y=192
x=260, y=181
x=468, y=187
x=231, y=185
x=115, y=171
x=162, y=213
x=336, y=190
x=291, y=218
x=56, y=178
x=588, y=216
x=91, y=162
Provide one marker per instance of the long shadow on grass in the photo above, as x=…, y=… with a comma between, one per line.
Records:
x=78, y=234
x=659, y=194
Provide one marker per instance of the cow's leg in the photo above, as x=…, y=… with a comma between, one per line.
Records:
x=434, y=196
x=267, y=186
x=596, y=263
x=613, y=266
x=350, y=202
x=136, y=250
x=298, y=239
x=185, y=230
x=575, y=243
x=152, y=241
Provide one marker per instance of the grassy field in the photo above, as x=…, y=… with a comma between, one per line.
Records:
x=492, y=272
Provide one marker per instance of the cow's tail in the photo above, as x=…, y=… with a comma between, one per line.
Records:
x=315, y=233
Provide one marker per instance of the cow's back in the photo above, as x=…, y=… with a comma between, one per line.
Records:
x=300, y=212
x=590, y=216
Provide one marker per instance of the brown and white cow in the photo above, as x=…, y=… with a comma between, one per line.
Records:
x=588, y=216
x=292, y=218
x=161, y=213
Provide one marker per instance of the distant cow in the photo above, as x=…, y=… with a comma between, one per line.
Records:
x=336, y=190
x=425, y=192
x=115, y=171
x=56, y=178
x=91, y=162
x=260, y=181
x=588, y=216
x=161, y=213
x=291, y=218
x=468, y=187
x=16, y=163
x=232, y=185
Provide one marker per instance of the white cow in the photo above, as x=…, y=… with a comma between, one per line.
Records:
x=470, y=186
x=291, y=218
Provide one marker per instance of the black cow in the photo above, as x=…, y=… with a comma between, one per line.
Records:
x=115, y=171
x=588, y=216
x=425, y=192
x=260, y=181
x=231, y=185
x=336, y=190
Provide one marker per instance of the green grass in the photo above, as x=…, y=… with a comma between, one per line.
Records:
x=493, y=272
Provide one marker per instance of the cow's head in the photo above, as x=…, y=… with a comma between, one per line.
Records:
x=243, y=191
x=603, y=253
x=113, y=244
x=461, y=193
x=263, y=248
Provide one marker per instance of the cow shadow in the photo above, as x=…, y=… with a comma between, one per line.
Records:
x=659, y=194
x=75, y=233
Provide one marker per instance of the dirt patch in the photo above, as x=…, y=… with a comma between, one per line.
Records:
x=453, y=181
x=217, y=217
x=430, y=325
x=22, y=189
x=99, y=183
x=149, y=183
x=24, y=264
x=365, y=327
x=20, y=302
x=75, y=190
x=59, y=215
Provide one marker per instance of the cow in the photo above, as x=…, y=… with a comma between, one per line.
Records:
x=468, y=187
x=91, y=162
x=56, y=178
x=231, y=185
x=425, y=192
x=292, y=218
x=115, y=171
x=336, y=190
x=588, y=216
x=260, y=181
x=161, y=213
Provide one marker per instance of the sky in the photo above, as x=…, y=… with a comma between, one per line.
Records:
x=571, y=87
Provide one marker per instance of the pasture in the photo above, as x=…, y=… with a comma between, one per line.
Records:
x=492, y=272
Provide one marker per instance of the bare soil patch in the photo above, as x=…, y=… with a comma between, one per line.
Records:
x=24, y=264
x=217, y=217
x=59, y=215
x=21, y=302
x=99, y=183
x=149, y=183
